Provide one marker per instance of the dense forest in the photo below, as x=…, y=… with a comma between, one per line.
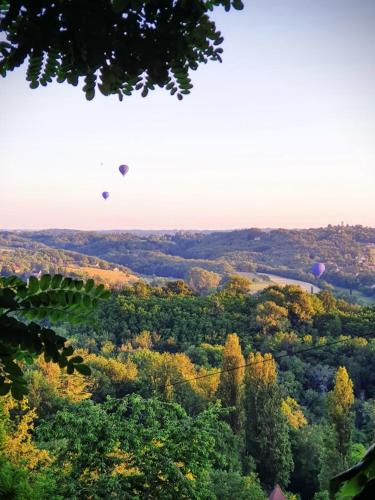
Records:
x=197, y=396
x=347, y=251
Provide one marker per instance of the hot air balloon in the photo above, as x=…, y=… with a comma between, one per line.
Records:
x=318, y=269
x=105, y=194
x=124, y=169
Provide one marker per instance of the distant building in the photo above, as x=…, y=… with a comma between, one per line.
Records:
x=277, y=494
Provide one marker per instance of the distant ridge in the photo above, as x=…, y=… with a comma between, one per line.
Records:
x=347, y=251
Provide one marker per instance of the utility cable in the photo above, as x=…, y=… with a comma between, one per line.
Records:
x=273, y=358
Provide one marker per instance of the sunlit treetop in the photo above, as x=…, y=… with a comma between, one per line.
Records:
x=233, y=361
x=261, y=369
x=117, y=46
x=292, y=410
x=341, y=397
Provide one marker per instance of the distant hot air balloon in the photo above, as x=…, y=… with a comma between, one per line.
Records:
x=105, y=194
x=124, y=169
x=318, y=269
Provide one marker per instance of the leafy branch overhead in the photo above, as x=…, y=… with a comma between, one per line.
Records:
x=118, y=46
x=356, y=482
x=52, y=298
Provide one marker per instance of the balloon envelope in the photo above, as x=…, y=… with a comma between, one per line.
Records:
x=124, y=169
x=318, y=269
x=105, y=194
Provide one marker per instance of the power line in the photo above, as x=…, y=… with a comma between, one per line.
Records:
x=278, y=356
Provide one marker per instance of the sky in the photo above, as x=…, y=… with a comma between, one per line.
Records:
x=281, y=134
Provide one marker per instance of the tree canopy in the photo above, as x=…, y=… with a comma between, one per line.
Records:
x=135, y=425
x=117, y=46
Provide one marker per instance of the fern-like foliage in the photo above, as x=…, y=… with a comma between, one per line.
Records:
x=22, y=304
x=129, y=45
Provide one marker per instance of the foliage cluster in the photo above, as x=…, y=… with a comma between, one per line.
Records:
x=53, y=298
x=117, y=46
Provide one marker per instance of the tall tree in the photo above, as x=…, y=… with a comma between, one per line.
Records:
x=335, y=456
x=307, y=444
x=266, y=432
x=230, y=389
x=340, y=401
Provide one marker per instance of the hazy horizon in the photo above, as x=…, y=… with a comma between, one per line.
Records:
x=279, y=135
x=178, y=229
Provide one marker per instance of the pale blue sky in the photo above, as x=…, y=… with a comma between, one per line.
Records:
x=280, y=134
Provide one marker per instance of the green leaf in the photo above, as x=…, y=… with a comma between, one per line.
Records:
x=61, y=297
x=77, y=298
x=7, y=298
x=72, y=285
x=70, y=369
x=30, y=314
x=238, y=4
x=83, y=369
x=35, y=300
x=76, y=359
x=22, y=292
x=18, y=391
x=63, y=362
x=56, y=281
x=45, y=281
x=99, y=290
x=12, y=281
x=4, y=388
x=69, y=297
x=75, y=320
x=86, y=301
x=89, y=285
x=349, y=489
x=33, y=286
x=56, y=315
x=66, y=283
x=42, y=313
x=79, y=284
x=13, y=368
x=67, y=351
x=90, y=94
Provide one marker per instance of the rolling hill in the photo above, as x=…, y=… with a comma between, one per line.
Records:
x=347, y=251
